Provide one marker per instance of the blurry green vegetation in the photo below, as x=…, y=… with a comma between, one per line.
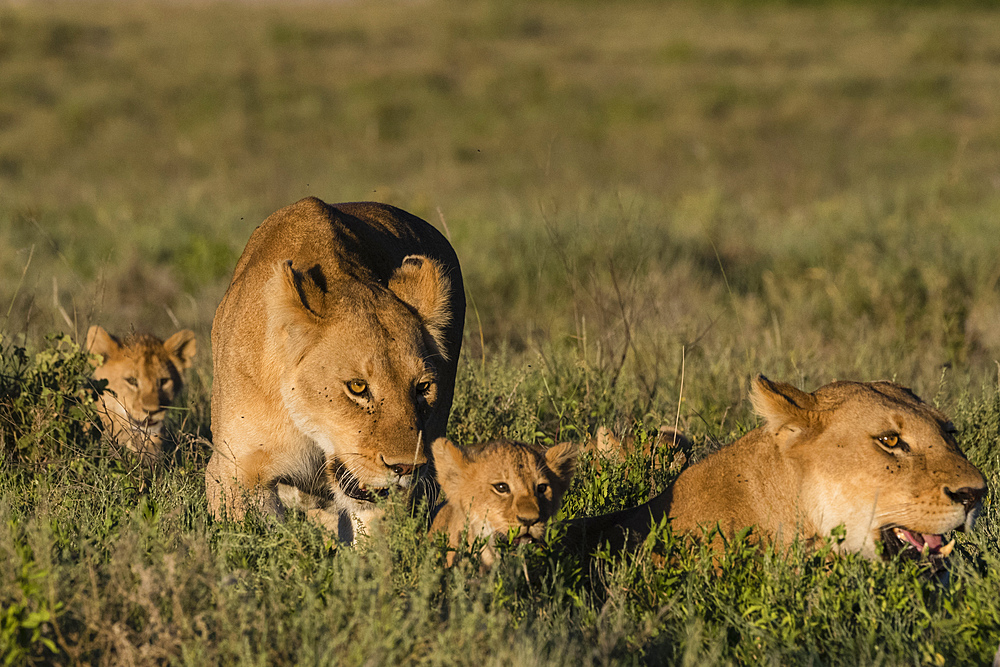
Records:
x=651, y=202
x=812, y=193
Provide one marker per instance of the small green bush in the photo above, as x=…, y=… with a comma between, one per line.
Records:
x=46, y=401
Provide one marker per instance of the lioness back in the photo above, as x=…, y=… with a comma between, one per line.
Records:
x=334, y=353
x=144, y=375
x=868, y=456
x=500, y=488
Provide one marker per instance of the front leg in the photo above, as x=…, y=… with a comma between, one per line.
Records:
x=235, y=483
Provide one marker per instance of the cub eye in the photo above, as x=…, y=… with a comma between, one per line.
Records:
x=501, y=488
x=164, y=382
x=357, y=387
x=541, y=489
x=888, y=441
x=132, y=381
x=423, y=387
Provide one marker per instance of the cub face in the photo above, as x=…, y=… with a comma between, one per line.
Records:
x=500, y=488
x=144, y=375
x=361, y=372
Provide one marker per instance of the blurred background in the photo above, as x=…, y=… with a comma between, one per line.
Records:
x=650, y=200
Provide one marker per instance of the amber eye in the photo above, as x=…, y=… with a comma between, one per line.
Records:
x=889, y=441
x=423, y=387
x=501, y=488
x=132, y=381
x=357, y=387
x=541, y=489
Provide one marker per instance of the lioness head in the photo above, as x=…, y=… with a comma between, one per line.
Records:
x=875, y=458
x=358, y=368
x=500, y=488
x=144, y=375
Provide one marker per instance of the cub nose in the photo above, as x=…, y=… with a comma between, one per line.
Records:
x=968, y=496
x=402, y=469
x=527, y=521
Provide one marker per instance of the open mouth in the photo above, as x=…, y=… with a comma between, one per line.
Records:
x=352, y=486
x=912, y=545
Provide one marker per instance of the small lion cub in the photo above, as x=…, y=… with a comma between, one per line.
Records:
x=144, y=375
x=497, y=488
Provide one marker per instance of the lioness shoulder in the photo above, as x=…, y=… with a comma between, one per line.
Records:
x=144, y=375
x=498, y=489
x=334, y=352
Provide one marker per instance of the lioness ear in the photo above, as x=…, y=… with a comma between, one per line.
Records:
x=449, y=463
x=561, y=459
x=99, y=341
x=181, y=346
x=781, y=405
x=420, y=283
x=285, y=304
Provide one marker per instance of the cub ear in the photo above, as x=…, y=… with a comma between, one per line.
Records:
x=561, y=460
x=285, y=302
x=606, y=443
x=781, y=405
x=99, y=341
x=449, y=464
x=420, y=283
x=181, y=346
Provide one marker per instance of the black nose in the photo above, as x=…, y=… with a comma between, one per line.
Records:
x=403, y=469
x=967, y=496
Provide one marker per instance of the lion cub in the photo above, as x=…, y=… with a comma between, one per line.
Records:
x=498, y=488
x=144, y=375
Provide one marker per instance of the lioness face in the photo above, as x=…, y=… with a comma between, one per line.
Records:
x=144, y=375
x=363, y=384
x=885, y=465
x=505, y=488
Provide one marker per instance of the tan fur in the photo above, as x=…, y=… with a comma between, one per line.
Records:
x=670, y=447
x=324, y=296
x=815, y=464
x=144, y=375
x=498, y=489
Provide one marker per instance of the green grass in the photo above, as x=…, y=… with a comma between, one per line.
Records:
x=651, y=202
x=101, y=561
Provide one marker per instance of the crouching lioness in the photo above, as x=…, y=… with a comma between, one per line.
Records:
x=869, y=456
x=499, y=489
x=334, y=354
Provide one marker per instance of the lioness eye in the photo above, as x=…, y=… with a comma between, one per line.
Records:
x=164, y=382
x=357, y=387
x=542, y=488
x=889, y=441
x=423, y=387
x=501, y=487
x=132, y=381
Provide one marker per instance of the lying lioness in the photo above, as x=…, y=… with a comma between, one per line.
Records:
x=869, y=456
x=334, y=353
x=498, y=489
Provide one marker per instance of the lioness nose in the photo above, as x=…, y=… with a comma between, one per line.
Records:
x=967, y=496
x=527, y=520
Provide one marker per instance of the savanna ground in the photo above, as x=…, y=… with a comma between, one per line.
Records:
x=651, y=202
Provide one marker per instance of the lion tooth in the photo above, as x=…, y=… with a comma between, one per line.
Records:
x=946, y=549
